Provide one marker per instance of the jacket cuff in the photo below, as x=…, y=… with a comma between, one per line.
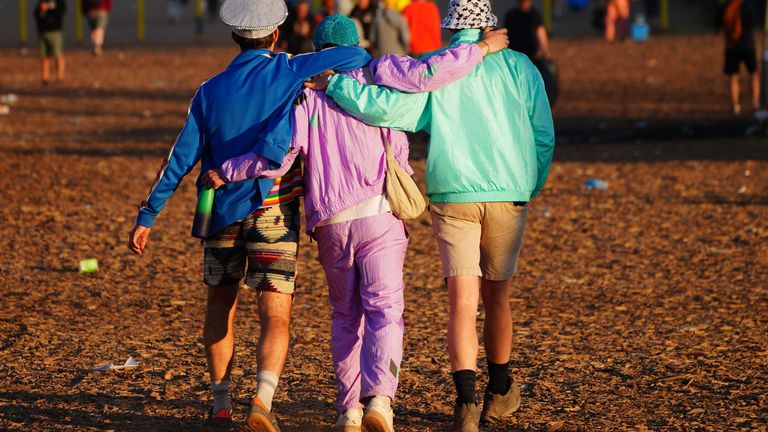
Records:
x=334, y=85
x=227, y=172
x=476, y=53
x=145, y=219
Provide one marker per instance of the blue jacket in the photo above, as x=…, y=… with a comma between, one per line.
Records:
x=245, y=109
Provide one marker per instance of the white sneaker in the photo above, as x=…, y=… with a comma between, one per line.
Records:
x=378, y=415
x=350, y=421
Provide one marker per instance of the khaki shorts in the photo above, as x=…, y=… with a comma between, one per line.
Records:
x=482, y=239
x=51, y=44
x=98, y=19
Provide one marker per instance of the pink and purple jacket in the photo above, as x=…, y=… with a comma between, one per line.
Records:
x=345, y=162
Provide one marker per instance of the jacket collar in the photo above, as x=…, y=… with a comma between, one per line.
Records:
x=249, y=55
x=466, y=36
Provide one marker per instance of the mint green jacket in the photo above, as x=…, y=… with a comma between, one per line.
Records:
x=492, y=137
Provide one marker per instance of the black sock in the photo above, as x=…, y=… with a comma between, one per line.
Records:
x=498, y=378
x=464, y=380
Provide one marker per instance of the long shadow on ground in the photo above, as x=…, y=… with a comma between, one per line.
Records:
x=122, y=413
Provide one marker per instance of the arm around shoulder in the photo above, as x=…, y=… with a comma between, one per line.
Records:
x=341, y=58
x=378, y=106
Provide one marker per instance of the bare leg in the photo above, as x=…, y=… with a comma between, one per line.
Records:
x=497, y=329
x=275, y=318
x=610, y=23
x=97, y=39
x=735, y=90
x=45, y=69
x=218, y=333
x=463, y=297
x=756, y=90
x=61, y=66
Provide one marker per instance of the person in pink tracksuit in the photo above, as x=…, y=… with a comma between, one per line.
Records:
x=361, y=244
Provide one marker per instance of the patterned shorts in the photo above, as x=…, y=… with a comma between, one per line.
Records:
x=267, y=240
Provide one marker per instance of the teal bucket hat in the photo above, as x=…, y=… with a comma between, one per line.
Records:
x=335, y=29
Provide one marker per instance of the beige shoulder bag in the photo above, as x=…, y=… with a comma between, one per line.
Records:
x=404, y=197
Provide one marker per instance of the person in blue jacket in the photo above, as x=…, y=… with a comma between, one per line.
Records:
x=255, y=223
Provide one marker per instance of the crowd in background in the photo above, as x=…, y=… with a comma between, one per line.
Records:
x=412, y=27
x=384, y=27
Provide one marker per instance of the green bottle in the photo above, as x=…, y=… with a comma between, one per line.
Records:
x=203, y=214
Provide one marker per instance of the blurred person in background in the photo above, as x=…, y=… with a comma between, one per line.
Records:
x=526, y=31
x=423, y=19
x=389, y=32
x=329, y=8
x=298, y=29
x=97, y=14
x=528, y=35
x=174, y=11
x=400, y=5
x=364, y=12
x=616, y=20
x=736, y=19
x=344, y=7
x=49, y=17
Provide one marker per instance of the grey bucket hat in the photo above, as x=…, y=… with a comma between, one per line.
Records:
x=253, y=19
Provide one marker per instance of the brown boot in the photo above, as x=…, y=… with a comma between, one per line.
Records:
x=260, y=419
x=466, y=417
x=496, y=406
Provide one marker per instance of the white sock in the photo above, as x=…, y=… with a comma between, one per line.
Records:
x=220, y=390
x=265, y=387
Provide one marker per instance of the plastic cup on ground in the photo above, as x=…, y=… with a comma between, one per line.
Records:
x=89, y=265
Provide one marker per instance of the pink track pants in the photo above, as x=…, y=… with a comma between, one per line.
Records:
x=363, y=263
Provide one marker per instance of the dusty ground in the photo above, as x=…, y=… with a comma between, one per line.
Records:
x=640, y=307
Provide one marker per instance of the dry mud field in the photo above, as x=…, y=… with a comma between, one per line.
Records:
x=642, y=307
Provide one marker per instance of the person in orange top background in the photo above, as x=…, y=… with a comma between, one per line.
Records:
x=423, y=19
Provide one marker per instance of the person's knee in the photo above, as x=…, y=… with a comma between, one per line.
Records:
x=464, y=305
x=494, y=292
x=276, y=323
x=221, y=298
x=378, y=317
x=386, y=302
x=275, y=309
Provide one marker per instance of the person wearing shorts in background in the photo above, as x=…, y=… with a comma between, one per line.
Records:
x=479, y=181
x=49, y=17
x=255, y=223
x=97, y=14
x=736, y=19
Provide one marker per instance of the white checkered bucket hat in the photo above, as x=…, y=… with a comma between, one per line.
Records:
x=469, y=14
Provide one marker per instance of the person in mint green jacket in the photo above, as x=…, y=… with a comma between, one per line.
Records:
x=490, y=151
